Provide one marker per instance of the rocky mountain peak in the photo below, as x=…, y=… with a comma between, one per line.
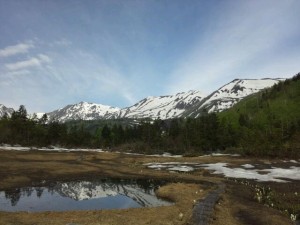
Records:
x=191, y=103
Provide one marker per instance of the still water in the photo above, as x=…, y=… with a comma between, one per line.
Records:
x=83, y=195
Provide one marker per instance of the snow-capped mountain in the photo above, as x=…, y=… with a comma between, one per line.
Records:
x=83, y=190
x=231, y=93
x=4, y=110
x=163, y=107
x=191, y=103
x=84, y=111
x=185, y=104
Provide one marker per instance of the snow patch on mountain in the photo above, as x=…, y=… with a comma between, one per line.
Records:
x=185, y=104
x=163, y=107
x=84, y=111
x=39, y=115
x=4, y=109
x=231, y=93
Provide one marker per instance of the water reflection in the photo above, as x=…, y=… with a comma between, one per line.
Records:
x=82, y=195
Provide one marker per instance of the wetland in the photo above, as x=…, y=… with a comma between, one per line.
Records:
x=35, y=171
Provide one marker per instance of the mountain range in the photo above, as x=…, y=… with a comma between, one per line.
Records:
x=191, y=103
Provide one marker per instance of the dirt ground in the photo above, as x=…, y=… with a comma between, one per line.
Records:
x=236, y=205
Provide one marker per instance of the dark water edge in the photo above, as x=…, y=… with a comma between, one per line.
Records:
x=83, y=195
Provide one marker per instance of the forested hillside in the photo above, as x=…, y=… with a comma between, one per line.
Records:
x=267, y=123
x=263, y=124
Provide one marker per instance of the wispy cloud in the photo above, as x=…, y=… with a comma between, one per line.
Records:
x=17, y=72
x=243, y=41
x=114, y=82
x=63, y=42
x=89, y=75
x=117, y=52
x=15, y=49
x=32, y=62
x=44, y=58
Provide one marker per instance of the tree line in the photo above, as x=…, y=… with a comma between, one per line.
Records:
x=267, y=123
x=176, y=135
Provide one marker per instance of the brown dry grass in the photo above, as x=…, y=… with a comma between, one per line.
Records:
x=19, y=169
x=236, y=207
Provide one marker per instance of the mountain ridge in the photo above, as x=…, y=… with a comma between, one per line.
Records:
x=83, y=111
x=163, y=107
x=5, y=110
x=184, y=104
x=230, y=94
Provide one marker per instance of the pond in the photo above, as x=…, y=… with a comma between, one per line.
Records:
x=83, y=195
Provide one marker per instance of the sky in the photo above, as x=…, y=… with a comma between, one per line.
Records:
x=117, y=52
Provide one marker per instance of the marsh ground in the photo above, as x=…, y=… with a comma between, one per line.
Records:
x=236, y=205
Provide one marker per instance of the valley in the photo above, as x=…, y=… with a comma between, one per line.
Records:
x=147, y=112
x=230, y=161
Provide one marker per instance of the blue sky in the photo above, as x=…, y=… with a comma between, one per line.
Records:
x=116, y=52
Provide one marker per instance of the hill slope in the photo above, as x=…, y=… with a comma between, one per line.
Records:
x=268, y=121
x=229, y=94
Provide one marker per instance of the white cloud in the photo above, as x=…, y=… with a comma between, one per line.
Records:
x=92, y=70
x=113, y=82
x=18, y=72
x=30, y=63
x=244, y=41
x=15, y=49
x=44, y=58
x=62, y=42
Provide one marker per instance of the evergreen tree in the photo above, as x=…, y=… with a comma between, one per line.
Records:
x=106, y=135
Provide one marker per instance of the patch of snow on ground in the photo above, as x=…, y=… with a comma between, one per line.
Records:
x=166, y=155
x=221, y=154
x=292, y=173
x=181, y=168
x=155, y=155
x=59, y=149
x=274, y=174
x=172, y=163
x=173, y=166
x=13, y=148
x=248, y=166
x=157, y=166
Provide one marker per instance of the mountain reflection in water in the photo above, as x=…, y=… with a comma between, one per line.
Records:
x=83, y=195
